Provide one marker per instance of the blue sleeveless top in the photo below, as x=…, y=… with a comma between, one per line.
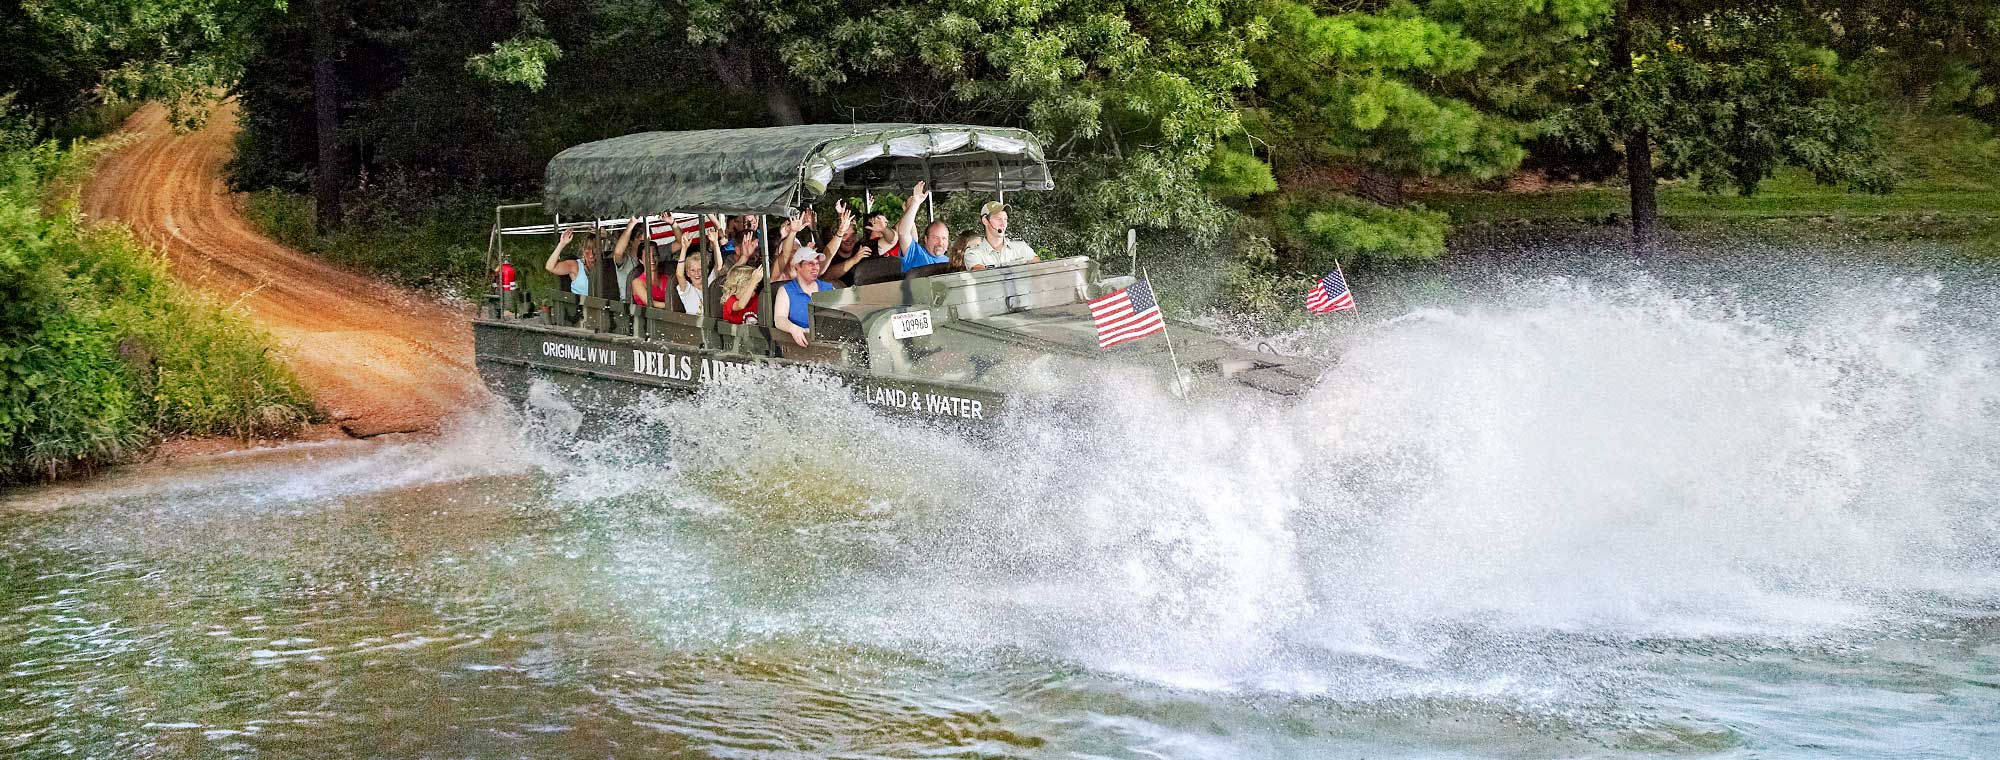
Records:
x=580, y=284
x=801, y=302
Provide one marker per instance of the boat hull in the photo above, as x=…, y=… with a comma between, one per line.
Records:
x=606, y=372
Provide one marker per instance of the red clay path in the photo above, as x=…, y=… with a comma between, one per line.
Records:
x=379, y=359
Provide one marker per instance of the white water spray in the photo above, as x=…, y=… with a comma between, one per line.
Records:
x=1572, y=456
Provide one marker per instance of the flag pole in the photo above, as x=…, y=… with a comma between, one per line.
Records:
x=1147, y=275
x=1344, y=283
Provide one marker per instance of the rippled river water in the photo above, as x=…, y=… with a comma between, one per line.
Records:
x=1721, y=512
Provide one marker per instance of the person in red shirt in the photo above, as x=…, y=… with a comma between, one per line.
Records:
x=876, y=229
x=739, y=300
x=655, y=279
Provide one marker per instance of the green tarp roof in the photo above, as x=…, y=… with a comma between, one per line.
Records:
x=775, y=170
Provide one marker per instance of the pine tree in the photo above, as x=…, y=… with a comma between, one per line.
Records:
x=1392, y=91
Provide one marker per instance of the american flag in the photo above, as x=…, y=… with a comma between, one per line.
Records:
x=1330, y=294
x=690, y=223
x=1126, y=314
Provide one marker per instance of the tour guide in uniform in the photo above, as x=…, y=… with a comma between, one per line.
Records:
x=996, y=249
x=794, y=310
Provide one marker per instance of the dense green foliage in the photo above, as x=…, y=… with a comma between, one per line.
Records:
x=1279, y=132
x=1940, y=52
x=101, y=353
x=1164, y=117
x=1729, y=92
x=435, y=244
x=65, y=55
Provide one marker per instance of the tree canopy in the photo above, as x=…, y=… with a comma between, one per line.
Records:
x=1294, y=121
x=67, y=54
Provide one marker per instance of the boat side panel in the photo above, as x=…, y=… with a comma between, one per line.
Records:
x=511, y=355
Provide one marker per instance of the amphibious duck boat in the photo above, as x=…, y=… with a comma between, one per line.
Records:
x=952, y=347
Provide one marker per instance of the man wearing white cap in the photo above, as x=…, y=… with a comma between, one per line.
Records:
x=794, y=306
x=996, y=249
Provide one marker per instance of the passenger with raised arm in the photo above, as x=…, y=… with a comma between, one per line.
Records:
x=843, y=232
x=731, y=236
x=842, y=271
x=739, y=299
x=802, y=240
x=928, y=249
x=844, y=251
x=577, y=269
x=655, y=278
x=793, y=233
x=679, y=241
x=879, y=232
x=716, y=243
x=689, y=281
x=721, y=244
x=794, y=306
x=736, y=226
x=995, y=249
x=622, y=259
x=745, y=249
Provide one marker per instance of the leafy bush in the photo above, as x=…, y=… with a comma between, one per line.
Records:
x=1324, y=227
x=101, y=352
x=435, y=242
x=1234, y=174
x=286, y=217
x=92, y=123
x=1271, y=259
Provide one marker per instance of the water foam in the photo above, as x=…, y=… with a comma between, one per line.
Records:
x=1570, y=456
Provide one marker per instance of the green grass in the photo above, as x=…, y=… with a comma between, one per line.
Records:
x=285, y=217
x=1950, y=181
x=1684, y=203
x=102, y=353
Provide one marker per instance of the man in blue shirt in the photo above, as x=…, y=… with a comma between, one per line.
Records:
x=930, y=249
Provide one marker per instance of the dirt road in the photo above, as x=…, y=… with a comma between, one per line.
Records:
x=379, y=359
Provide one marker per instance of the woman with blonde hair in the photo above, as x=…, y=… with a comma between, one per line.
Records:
x=577, y=269
x=739, y=295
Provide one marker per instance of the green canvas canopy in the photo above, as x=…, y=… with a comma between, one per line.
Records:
x=777, y=170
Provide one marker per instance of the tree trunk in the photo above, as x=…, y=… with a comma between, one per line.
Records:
x=1381, y=187
x=1645, y=199
x=329, y=178
x=1638, y=142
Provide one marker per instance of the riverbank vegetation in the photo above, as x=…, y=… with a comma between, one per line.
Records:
x=102, y=353
x=1947, y=170
x=1944, y=165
